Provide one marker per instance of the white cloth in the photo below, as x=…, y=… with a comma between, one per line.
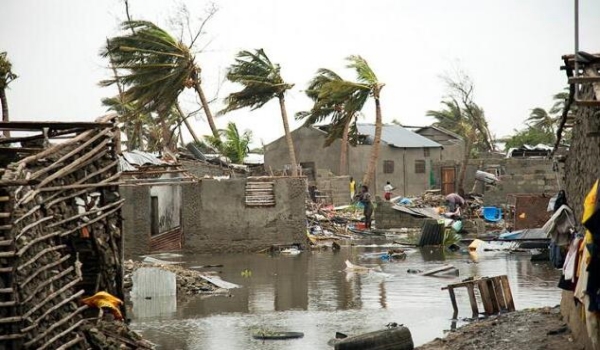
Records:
x=569, y=266
x=388, y=188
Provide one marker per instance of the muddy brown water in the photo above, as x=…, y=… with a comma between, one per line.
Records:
x=311, y=293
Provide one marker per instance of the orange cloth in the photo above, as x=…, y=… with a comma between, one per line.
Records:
x=105, y=300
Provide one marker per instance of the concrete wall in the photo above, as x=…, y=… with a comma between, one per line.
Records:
x=454, y=149
x=169, y=206
x=136, y=220
x=533, y=176
x=201, y=169
x=216, y=219
x=308, y=143
x=336, y=188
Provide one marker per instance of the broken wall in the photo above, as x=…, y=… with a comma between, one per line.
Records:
x=336, y=188
x=518, y=176
x=216, y=218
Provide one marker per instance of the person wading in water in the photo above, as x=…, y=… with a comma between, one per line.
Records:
x=365, y=199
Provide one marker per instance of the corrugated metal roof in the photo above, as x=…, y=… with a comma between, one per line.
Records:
x=397, y=136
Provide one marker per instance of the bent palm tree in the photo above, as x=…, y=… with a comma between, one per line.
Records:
x=541, y=119
x=6, y=76
x=158, y=68
x=453, y=118
x=327, y=103
x=261, y=80
x=367, y=85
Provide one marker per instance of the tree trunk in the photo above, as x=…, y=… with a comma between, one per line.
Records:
x=4, y=103
x=376, y=143
x=288, y=135
x=187, y=124
x=205, y=107
x=344, y=147
x=463, y=166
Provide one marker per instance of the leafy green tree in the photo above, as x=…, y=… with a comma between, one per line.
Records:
x=157, y=68
x=261, y=81
x=232, y=144
x=330, y=104
x=530, y=136
x=6, y=77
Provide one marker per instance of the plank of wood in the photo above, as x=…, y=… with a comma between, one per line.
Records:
x=219, y=282
x=485, y=297
x=433, y=271
x=453, y=301
x=507, y=293
x=472, y=300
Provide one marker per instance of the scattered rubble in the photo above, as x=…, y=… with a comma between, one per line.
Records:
x=524, y=329
x=113, y=335
x=189, y=282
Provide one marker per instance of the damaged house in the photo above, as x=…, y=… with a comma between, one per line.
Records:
x=406, y=158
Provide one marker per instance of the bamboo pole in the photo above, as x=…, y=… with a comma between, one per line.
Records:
x=62, y=334
x=100, y=217
x=35, y=241
x=35, y=323
x=47, y=282
x=70, y=343
x=38, y=255
x=74, y=187
x=11, y=336
x=32, y=225
x=98, y=172
x=86, y=213
x=50, y=297
x=42, y=269
x=96, y=152
x=58, y=162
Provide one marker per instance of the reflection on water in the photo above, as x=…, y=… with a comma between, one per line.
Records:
x=312, y=293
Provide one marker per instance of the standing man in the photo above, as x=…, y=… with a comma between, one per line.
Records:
x=387, y=191
x=352, y=188
x=365, y=199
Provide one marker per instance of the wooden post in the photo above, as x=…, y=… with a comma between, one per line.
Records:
x=473, y=300
x=485, y=297
x=497, y=283
x=507, y=293
x=453, y=300
x=493, y=299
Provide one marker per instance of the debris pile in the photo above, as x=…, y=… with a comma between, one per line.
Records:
x=111, y=335
x=189, y=282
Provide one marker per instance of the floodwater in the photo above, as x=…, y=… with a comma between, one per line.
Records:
x=311, y=293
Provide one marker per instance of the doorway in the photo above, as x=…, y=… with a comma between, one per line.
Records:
x=448, y=180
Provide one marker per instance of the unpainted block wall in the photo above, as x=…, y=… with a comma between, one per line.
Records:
x=136, y=220
x=216, y=219
x=337, y=189
x=386, y=217
x=534, y=176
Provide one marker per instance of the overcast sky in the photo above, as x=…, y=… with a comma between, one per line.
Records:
x=511, y=49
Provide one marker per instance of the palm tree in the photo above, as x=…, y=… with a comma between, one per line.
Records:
x=6, y=76
x=452, y=117
x=261, y=80
x=158, y=68
x=367, y=85
x=541, y=119
x=234, y=145
x=329, y=105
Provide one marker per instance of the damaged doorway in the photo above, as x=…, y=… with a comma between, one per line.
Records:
x=448, y=180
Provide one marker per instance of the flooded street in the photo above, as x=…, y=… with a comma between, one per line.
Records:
x=312, y=293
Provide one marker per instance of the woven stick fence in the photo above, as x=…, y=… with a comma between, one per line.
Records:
x=60, y=229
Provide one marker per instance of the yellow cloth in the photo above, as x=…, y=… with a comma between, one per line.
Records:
x=105, y=300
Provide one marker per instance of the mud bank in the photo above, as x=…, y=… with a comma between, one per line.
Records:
x=525, y=329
